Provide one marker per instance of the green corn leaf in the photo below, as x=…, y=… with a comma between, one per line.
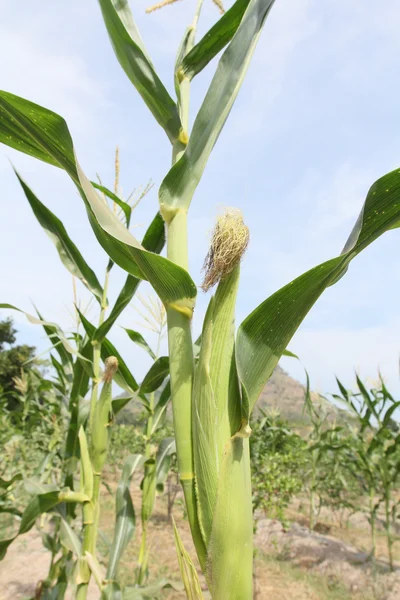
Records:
x=7, y=483
x=79, y=388
x=129, y=50
x=96, y=569
x=119, y=403
x=52, y=332
x=126, y=208
x=37, y=506
x=55, y=333
x=265, y=333
x=154, y=241
x=188, y=571
x=123, y=377
x=69, y=254
x=138, y=339
x=41, y=133
x=125, y=514
x=163, y=461
x=214, y=40
x=112, y=591
x=179, y=185
x=124, y=298
x=157, y=373
x=148, y=489
x=289, y=354
x=389, y=414
x=69, y=539
x=160, y=409
x=151, y=591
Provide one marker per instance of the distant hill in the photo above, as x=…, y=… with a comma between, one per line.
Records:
x=286, y=394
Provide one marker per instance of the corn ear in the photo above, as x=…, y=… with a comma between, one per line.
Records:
x=221, y=453
x=102, y=417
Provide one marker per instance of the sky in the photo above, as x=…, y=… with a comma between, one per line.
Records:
x=316, y=122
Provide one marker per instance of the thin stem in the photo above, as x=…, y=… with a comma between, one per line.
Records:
x=372, y=520
x=389, y=529
x=143, y=553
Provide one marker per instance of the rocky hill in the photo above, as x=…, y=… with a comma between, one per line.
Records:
x=286, y=395
x=282, y=393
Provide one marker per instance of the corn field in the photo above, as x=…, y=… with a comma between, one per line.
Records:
x=216, y=441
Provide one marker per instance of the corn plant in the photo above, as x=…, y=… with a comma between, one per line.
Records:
x=278, y=461
x=76, y=360
x=212, y=401
x=158, y=459
x=375, y=453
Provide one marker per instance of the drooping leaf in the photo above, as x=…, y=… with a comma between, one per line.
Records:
x=39, y=132
x=125, y=514
x=138, y=339
x=133, y=58
x=179, y=185
x=154, y=241
x=155, y=376
x=69, y=254
x=37, y=506
x=214, y=40
x=51, y=327
x=289, y=354
x=265, y=333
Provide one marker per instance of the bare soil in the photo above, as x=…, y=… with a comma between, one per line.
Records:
x=291, y=562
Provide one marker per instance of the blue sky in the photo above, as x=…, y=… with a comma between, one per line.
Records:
x=316, y=123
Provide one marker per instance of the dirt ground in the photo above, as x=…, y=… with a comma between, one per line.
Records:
x=292, y=563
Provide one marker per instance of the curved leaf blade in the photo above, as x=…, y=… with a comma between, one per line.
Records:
x=125, y=514
x=265, y=333
x=154, y=241
x=132, y=57
x=214, y=40
x=138, y=339
x=38, y=505
x=127, y=210
x=69, y=254
x=45, y=135
x=155, y=376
